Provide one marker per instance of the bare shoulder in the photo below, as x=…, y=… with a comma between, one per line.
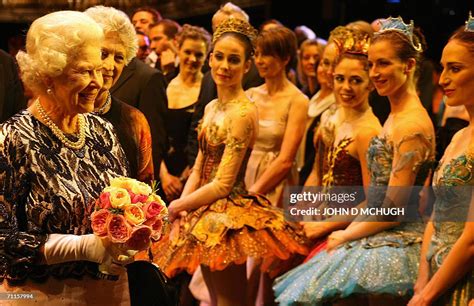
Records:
x=366, y=132
x=369, y=127
x=297, y=98
x=459, y=135
x=259, y=90
x=413, y=126
x=297, y=92
x=300, y=100
x=210, y=105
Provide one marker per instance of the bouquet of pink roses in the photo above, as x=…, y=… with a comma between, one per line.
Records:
x=129, y=214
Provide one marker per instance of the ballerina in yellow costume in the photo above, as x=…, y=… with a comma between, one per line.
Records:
x=216, y=223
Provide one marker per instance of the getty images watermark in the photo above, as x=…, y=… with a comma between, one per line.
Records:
x=379, y=203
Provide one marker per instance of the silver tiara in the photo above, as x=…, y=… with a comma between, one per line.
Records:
x=397, y=24
x=469, y=23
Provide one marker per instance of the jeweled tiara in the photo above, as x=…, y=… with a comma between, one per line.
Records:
x=235, y=25
x=469, y=23
x=397, y=24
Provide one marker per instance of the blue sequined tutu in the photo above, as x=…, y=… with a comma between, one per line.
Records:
x=386, y=263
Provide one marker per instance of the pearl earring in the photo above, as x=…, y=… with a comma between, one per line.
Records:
x=49, y=91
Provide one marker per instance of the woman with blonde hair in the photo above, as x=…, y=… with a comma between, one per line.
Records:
x=183, y=92
x=309, y=55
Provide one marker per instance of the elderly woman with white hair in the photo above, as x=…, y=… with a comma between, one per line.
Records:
x=118, y=49
x=55, y=158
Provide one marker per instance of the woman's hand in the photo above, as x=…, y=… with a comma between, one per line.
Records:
x=314, y=230
x=174, y=210
x=168, y=60
x=421, y=281
x=336, y=239
x=61, y=248
x=116, y=258
x=252, y=190
x=419, y=300
x=185, y=174
x=172, y=186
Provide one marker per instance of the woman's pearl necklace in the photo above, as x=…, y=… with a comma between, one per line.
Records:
x=57, y=131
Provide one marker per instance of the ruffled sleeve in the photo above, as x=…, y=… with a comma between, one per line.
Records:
x=240, y=130
x=414, y=151
x=19, y=250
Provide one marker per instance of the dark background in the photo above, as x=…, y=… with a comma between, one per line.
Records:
x=438, y=18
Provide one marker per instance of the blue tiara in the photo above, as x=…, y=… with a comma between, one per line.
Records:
x=469, y=24
x=397, y=24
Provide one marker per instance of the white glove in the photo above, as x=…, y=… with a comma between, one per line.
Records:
x=61, y=248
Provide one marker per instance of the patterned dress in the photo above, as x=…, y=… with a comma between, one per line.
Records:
x=453, y=197
x=236, y=226
x=47, y=188
x=384, y=263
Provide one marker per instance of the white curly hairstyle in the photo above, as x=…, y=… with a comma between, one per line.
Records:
x=52, y=42
x=113, y=20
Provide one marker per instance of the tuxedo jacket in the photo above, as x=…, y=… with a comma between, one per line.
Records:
x=12, y=99
x=145, y=88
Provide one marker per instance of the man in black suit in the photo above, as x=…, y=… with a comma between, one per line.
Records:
x=163, y=43
x=12, y=99
x=145, y=88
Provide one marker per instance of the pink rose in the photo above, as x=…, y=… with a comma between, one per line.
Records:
x=139, y=239
x=152, y=209
x=104, y=200
x=156, y=225
x=118, y=229
x=135, y=198
x=99, y=221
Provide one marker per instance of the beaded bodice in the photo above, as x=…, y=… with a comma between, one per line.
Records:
x=344, y=169
x=453, y=196
x=212, y=154
x=380, y=156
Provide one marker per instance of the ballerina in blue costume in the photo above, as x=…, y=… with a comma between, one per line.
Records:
x=443, y=278
x=376, y=263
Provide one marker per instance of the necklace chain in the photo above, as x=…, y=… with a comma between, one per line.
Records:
x=76, y=145
x=106, y=105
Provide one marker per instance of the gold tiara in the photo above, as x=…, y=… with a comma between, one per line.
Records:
x=234, y=25
x=339, y=35
x=350, y=41
x=356, y=42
